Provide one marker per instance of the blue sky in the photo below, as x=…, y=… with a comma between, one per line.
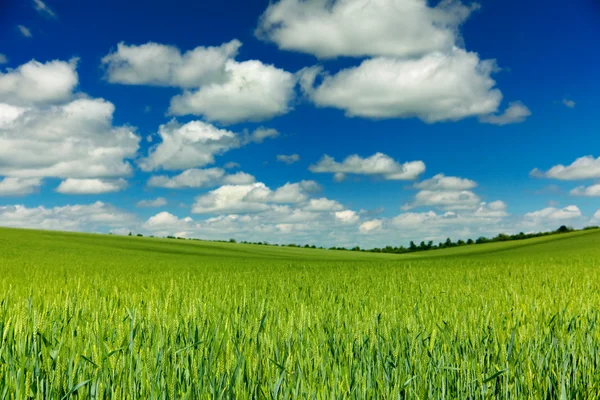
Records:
x=437, y=119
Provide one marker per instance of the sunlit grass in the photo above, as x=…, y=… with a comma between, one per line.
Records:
x=108, y=317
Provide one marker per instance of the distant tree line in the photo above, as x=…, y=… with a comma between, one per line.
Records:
x=412, y=247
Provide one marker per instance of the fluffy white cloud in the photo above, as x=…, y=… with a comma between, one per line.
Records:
x=449, y=200
x=158, y=202
x=91, y=186
x=516, y=112
x=597, y=216
x=370, y=226
x=253, y=92
x=162, y=65
x=323, y=204
x=288, y=159
x=253, y=197
x=24, y=31
x=3, y=59
x=199, y=178
x=589, y=191
x=442, y=182
x=347, y=216
x=231, y=165
x=378, y=164
x=586, y=167
x=43, y=9
x=436, y=87
x=194, y=144
x=551, y=213
x=72, y=140
x=92, y=218
x=35, y=82
x=347, y=28
x=19, y=186
x=495, y=209
x=216, y=86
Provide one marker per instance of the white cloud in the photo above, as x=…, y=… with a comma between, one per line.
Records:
x=239, y=178
x=323, y=204
x=378, y=164
x=194, y=144
x=586, y=167
x=3, y=59
x=200, y=178
x=162, y=65
x=449, y=200
x=551, y=213
x=34, y=82
x=516, y=112
x=72, y=140
x=260, y=134
x=158, y=202
x=254, y=92
x=288, y=159
x=42, y=8
x=442, y=182
x=255, y=197
x=597, y=216
x=347, y=217
x=91, y=186
x=230, y=199
x=495, y=209
x=231, y=165
x=24, y=31
x=346, y=27
x=19, y=186
x=370, y=226
x=568, y=103
x=589, y=191
x=216, y=86
x=436, y=87
x=92, y=218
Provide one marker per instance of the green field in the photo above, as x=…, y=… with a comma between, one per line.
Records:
x=92, y=316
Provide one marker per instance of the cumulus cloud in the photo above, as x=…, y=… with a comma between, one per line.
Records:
x=589, y=191
x=253, y=197
x=347, y=216
x=586, y=167
x=254, y=92
x=200, y=178
x=194, y=144
x=323, y=204
x=39, y=83
x=404, y=28
x=162, y=65
x=72, y=140
x=260, y=134
x=91, y=186
x=437, y=87
x=231, y=165
x=24, y=31
x=516, y=112
x=158, y=202
x=19, y=186
x=288, y=159
x=92, y=218
x=216, y=86
x=449, y=200
x=442, y=182
x=43, y=9
x=370, y=226
x=551, y=213
x=378, y=164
